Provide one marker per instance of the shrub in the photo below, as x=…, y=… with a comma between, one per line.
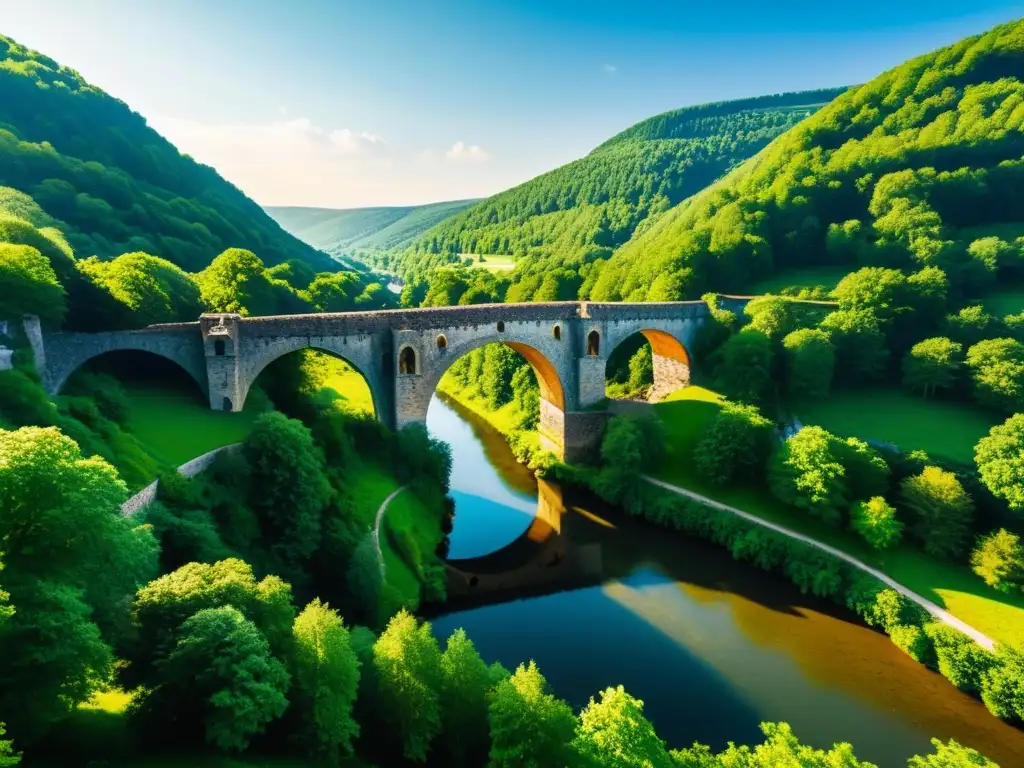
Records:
x=735, y=442
x=999, y=560
x=959, y=659
x=941, y=511
x=914, y=642
x=875, y=520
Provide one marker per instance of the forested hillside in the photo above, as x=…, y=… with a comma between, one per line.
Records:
x=913, y=169
x=344, y=232
x=585, y=209
x=113, y=184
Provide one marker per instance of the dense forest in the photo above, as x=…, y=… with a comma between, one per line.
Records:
x=111, y=183
x=582, y=211
x=352, y=231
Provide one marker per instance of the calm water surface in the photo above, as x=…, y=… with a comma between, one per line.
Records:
x=712, y=647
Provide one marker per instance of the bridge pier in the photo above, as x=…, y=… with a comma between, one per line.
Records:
x=220, y=347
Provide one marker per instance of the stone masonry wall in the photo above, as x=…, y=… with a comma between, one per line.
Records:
x=191, y=468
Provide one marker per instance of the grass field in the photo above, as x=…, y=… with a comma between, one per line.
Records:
x=828, y=276
x=950, y=585
x=941, y=429
x=1007, y=230
x=495, y=262
x=1003, y=303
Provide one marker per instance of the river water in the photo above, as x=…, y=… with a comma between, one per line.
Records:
x=713, y=647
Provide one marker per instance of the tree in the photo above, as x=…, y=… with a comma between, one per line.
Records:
x=875, y=520
x=287, y=485
x=28, y=285
x=641, y=369
x=999, y=559
x=859, y=342
x=221, y=675
x=529, y=726
x=970, y=325
x=334, y=292
x=997, y=368
x=236, y=281
x=526, y=395
x=931, y=365
x=70, y=558
x=407, y=661
x=745, y=370
x=326, y=682
x=466, y=682
x=145, y=290
x=1000, y=461
x=8, y=757
x=500, y=365
x=878, y=290
x=810, y=362
x=771, y=315
x=941, y=511
x=736, y=442
x=614, y=732
x=1002, y=684
x=951, y=754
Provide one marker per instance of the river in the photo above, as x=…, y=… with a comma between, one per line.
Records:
x=713, y=647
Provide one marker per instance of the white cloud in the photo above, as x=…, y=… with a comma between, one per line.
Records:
x=348, y=141
x=611, y=69
x=461, y=152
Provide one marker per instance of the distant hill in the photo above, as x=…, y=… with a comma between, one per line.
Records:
x=583, y=210
x=342, y=232
x=115, y=185
x=910, y=170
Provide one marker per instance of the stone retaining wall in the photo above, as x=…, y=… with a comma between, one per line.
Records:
x=147, y=495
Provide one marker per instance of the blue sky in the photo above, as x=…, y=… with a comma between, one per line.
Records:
x=345, y=104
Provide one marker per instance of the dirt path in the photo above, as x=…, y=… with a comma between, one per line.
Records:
x=376, y=526
x=939, y=613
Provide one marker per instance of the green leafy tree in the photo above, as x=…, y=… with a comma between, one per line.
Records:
x=951, y=754
x=641, y=369
x=745, y=370
x=1000, y=461
x=997, y=369
x=1002, y=684
x=735, y=443
x=971, y=325
x=875, y=520
x=613, y=732
x=236, y=281
x=145, y=290
x=881, y=291
x=326, y=672
x=466, y=682
x=69, y=559
x=287, y=485
x=221, y=676
x=526, y=395
x=771, y=315
x=859, y=342
x=8, y=756
x=28, y=285
x=960, y=659
x=931, y=365
x=529, y=726
x=499, y=366
x=999, y=559
x=810, y=361
x=941, y=511
x=407, y=662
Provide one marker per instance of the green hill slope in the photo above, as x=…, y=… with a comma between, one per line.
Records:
x=586, y=208
x=113, y=184
x=341, y=232
x=899, y=172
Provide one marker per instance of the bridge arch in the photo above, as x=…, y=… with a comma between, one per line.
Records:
x=670, y=359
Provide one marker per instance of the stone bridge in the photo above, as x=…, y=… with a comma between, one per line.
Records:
x=404, y=353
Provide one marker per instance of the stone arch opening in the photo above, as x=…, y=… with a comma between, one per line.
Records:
x=136, y=369
x=218, y=347
x=594, y=344
x=648, y=364
x=332, y=379
x=226, y=404
x=442, y=341
x=501, y=326
x=556, y=333
x=407, y=361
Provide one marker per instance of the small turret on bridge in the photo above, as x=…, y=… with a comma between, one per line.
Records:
x=404, y=353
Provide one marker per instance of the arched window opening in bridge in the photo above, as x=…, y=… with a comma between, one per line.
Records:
x=557, y=332
x=218, y=347
x=501, y=326
x=442, y=342
x=594, y=344
x=226, y=404
x=407, y=361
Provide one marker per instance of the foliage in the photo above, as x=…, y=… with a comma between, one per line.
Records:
x=326, y=672
x=875, y=520
x=745, y=370
x=529, y=725
x=1002, y=684
x=466, y=682
x=810, y=361
x=951, y=754
x=859, y=342
x=111, y=182
x=999, y=559
x=735, y=443
x=931, y=365
x=613, y=732
x=997, y=369
x=221, y=677
x=1000, y=460
x=940, y=509
x=960, y=660
x=8, y=757
x=407, y=662
x=28, y=285
x=236, y=281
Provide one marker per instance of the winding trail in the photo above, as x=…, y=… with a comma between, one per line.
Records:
x=376, y=525
x=939, y=613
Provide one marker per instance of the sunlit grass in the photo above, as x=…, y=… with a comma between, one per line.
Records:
x=340, y=383
x=495, y=262
x=828, y=276
x=951, y=585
